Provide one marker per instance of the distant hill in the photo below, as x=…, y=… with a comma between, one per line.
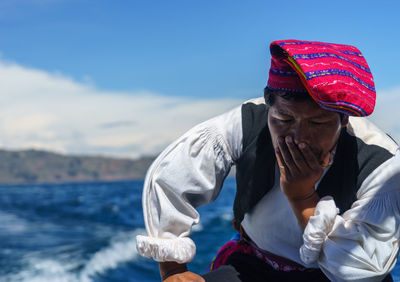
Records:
x=34, y=166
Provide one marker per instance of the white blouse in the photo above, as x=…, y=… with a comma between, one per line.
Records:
x=360, y=245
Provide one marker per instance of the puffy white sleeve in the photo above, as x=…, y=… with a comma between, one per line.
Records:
x=363, y=243
x=189, y=173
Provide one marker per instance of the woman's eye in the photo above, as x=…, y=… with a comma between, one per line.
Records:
x=285, y=120
x=318, y=122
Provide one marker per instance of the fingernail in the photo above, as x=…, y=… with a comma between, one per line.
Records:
x=289, y=139
x=302, y=145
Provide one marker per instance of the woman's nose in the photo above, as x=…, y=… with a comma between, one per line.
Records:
x=301, y=134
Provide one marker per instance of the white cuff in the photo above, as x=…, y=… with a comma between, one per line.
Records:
x=319, y=225
x=180, y=250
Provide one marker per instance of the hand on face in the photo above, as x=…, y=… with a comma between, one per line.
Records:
x=303, y=134
x=299, y=167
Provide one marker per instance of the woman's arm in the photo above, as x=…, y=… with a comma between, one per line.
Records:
x=189, y=173
x=363, y=243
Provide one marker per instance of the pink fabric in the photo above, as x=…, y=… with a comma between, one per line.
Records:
x=242, y=246
x=337, y=76
x=282, y=77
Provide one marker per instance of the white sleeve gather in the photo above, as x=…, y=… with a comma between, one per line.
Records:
x=187, y=174
x=363, y=243
x=317, y=229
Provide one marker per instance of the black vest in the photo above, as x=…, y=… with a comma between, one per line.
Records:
x=255, y=170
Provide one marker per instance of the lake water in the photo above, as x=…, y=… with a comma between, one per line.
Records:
x=86, y=232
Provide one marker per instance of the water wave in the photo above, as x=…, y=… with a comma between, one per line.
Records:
x=122, y=249
x=228, y=216
x=198, y=227
x=12, y=224
x=43, y=270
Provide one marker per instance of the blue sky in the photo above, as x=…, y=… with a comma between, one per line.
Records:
x=159, y=62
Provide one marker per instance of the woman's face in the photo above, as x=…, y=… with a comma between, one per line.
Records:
x=306, y=122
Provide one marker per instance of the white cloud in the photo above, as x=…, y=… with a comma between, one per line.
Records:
x=387, y=112
x=51, y=111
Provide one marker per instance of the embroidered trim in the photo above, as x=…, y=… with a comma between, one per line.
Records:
x=328, y=55
x=239, y=244
x=320, y=73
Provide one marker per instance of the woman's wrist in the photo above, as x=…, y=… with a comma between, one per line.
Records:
x=304, y=207
x=303, y=197
x=170, y=268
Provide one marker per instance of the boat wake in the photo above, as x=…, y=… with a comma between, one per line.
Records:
x=121, y=249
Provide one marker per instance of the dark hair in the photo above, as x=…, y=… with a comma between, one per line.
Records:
x=270, y=96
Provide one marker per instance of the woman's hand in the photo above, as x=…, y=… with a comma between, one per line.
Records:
x=300, y=170
x=185, y=277
x=299, y=167
x=176, y=272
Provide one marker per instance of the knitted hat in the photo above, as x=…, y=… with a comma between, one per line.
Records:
x=336, y=76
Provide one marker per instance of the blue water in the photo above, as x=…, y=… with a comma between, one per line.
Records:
x=86, y=232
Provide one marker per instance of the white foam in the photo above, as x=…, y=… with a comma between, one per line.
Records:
x=40, y=270
x=11, y=224
x=122, y=249
x=198, y=227
x=227, y=216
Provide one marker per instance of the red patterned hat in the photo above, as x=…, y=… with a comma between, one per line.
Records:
x=336, y=76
